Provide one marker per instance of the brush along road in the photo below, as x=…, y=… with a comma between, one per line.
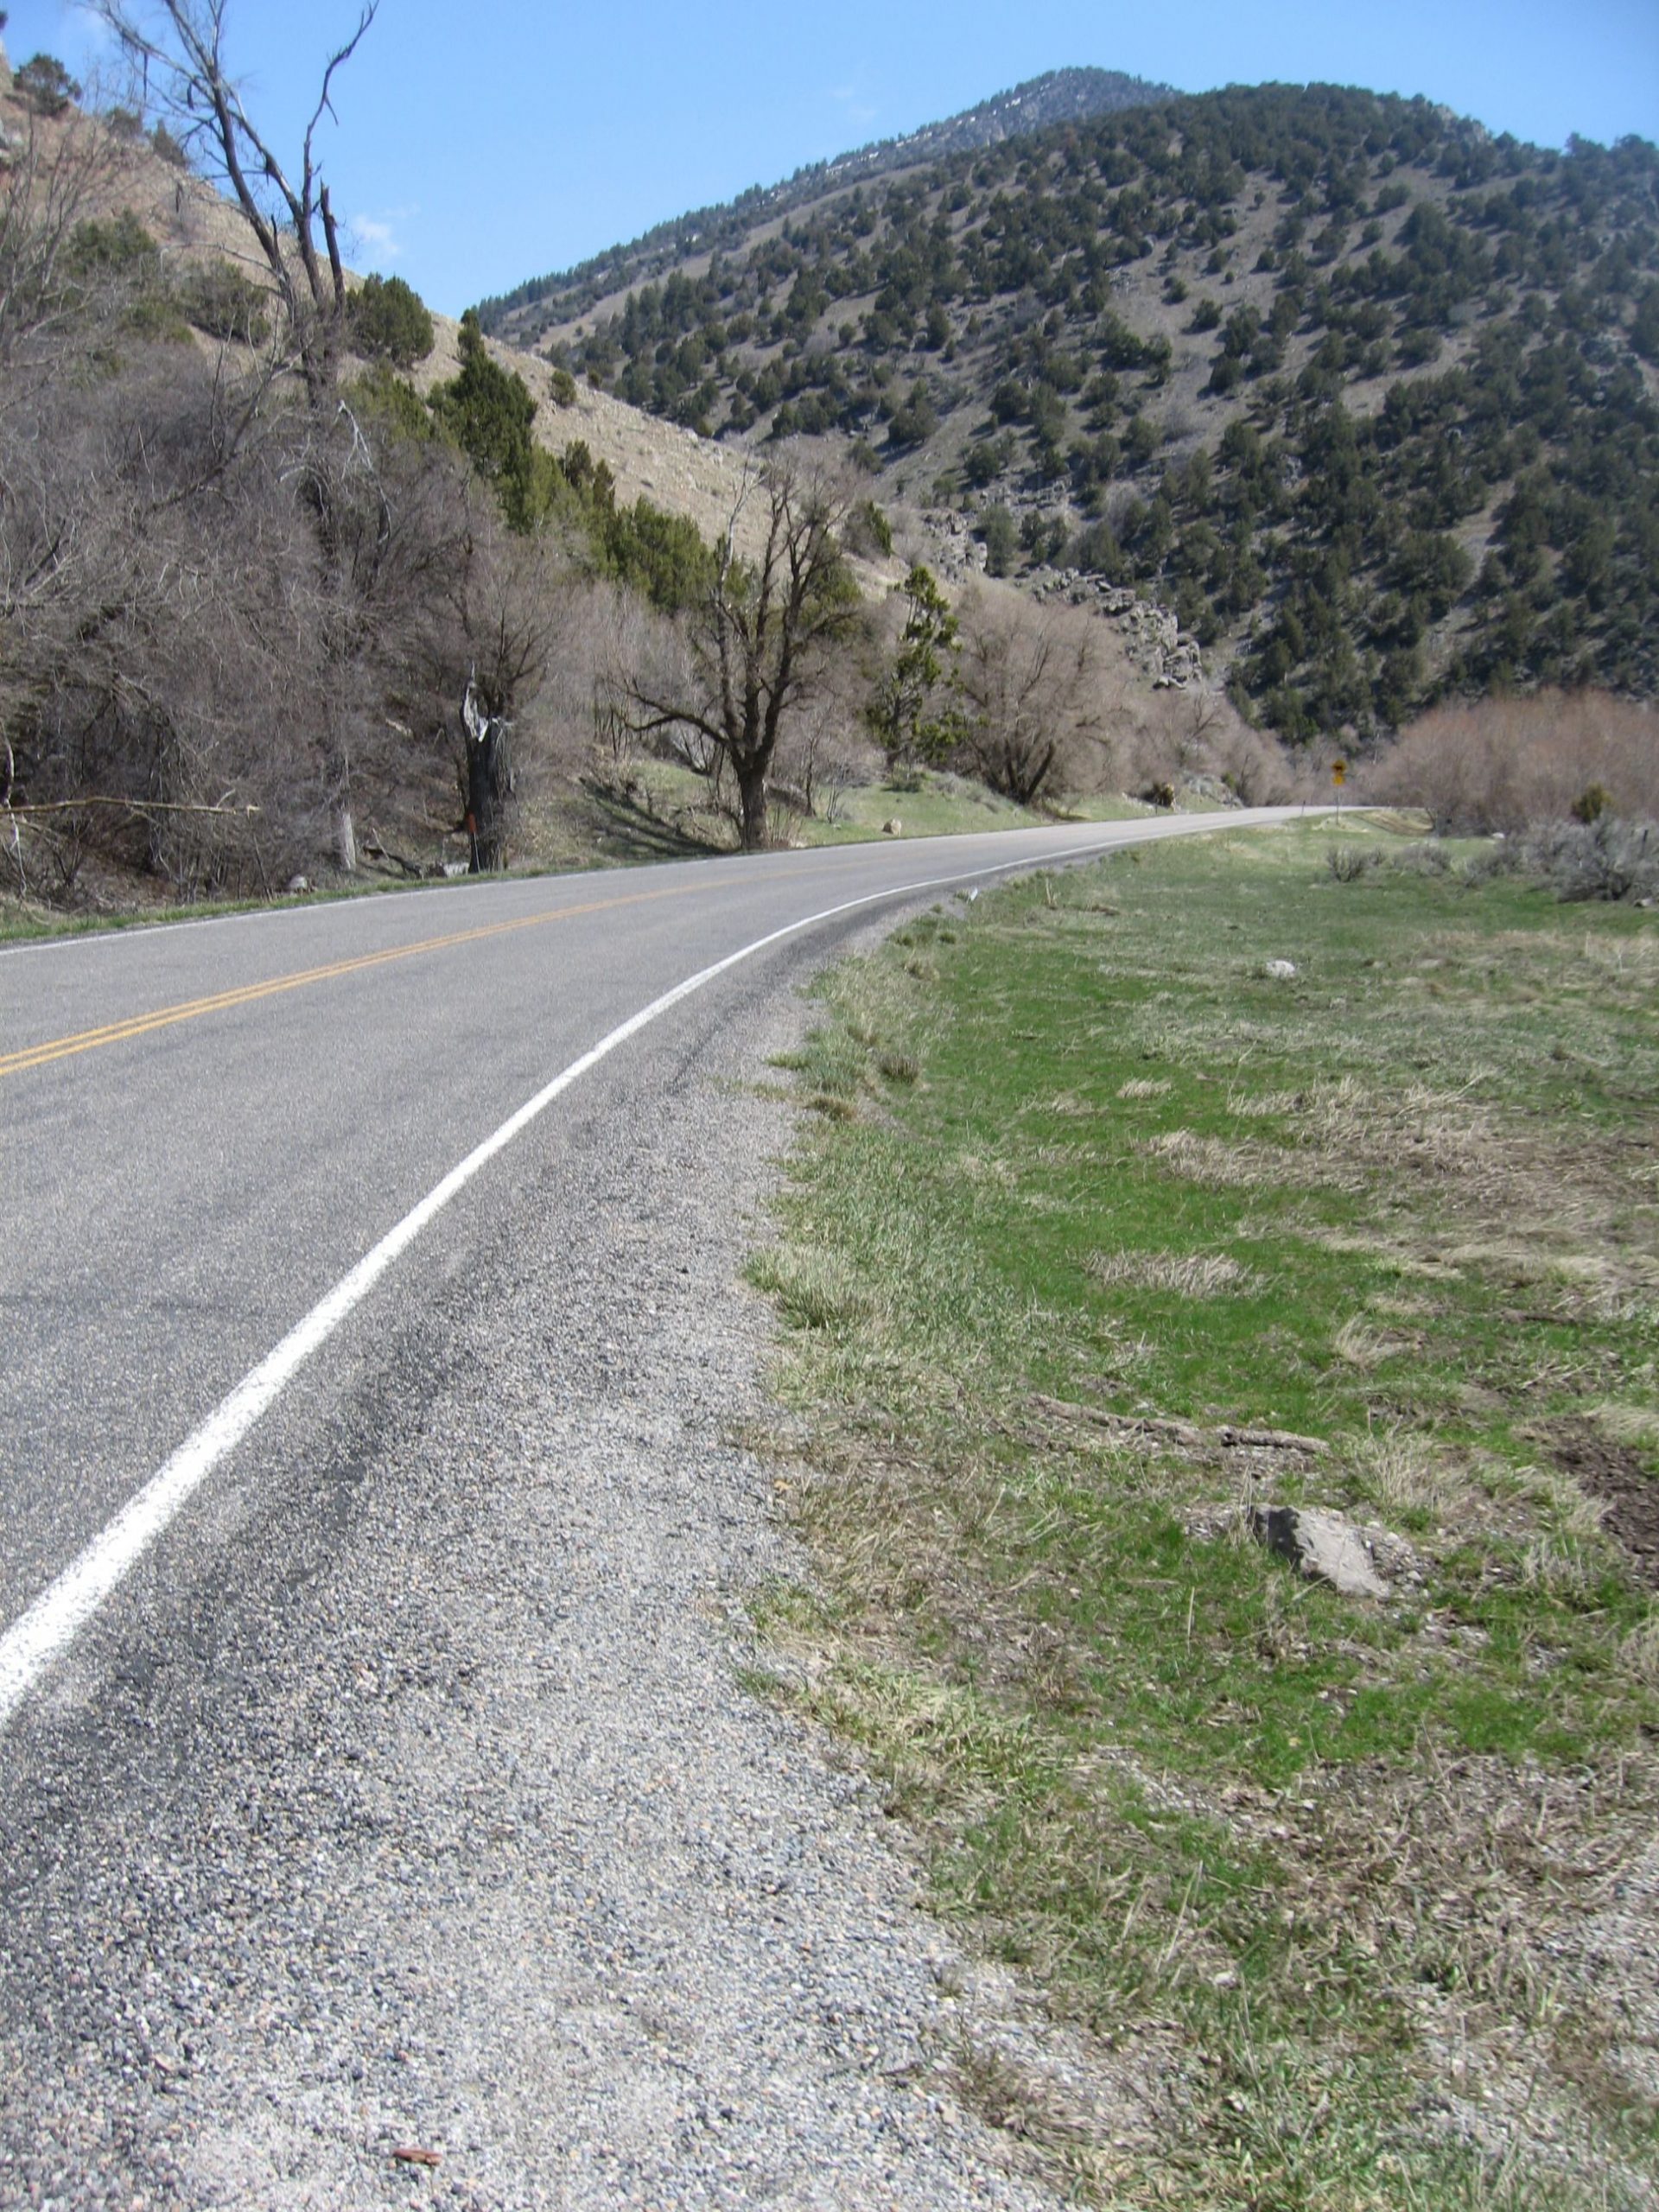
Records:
x=374, y=1775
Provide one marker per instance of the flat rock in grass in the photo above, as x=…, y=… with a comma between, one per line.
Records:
x=1322, y=1545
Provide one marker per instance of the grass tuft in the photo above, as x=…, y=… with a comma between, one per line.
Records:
x=1185, y=1274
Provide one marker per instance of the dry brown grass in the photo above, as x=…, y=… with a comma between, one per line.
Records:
x=1212, y=1160
x=1478, y=1882
x=1405, y=1474
x=1188, y=1274
x=1625, y=1423
x=1640, y=1651
x=1359, y=1344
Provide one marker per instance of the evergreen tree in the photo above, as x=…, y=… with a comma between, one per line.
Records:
x=390, y=322
x=487, y=411
x=913, y=714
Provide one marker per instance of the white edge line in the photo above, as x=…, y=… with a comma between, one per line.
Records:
x=63, y=1609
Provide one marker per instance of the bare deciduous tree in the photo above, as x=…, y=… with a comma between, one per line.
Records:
x=486, y=782
x=170, y=641
x=231, y=618
x=758, y=645
x=63, y=171
x=1031, y=677
x=178, y=48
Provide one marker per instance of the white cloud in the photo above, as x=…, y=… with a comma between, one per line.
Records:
x=377, y=236
x=855, y=107
x=88, y=32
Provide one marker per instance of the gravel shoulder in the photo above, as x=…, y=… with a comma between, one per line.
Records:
x=438, y=1820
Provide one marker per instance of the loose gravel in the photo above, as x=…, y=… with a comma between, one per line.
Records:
x=438, y=1822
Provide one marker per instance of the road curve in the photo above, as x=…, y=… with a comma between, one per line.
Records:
x=207, y=1129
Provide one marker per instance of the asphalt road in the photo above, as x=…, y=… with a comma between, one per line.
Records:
x=206, y=1129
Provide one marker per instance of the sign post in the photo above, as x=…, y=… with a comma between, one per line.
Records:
x=1339, y=777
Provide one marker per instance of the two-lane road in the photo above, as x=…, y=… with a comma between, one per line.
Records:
x=375, y=1772
x=206, y=1126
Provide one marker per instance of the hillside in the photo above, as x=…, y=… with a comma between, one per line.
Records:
x=1061, y=96
x=1368, y=395
x=110, y=181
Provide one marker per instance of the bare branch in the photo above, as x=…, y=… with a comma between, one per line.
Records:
x=127, y=806
x=184, y=55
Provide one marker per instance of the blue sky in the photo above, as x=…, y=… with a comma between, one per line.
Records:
x=483, y=145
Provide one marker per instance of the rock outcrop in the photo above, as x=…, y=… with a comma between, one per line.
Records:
x=1155, y=641
x=959, y=556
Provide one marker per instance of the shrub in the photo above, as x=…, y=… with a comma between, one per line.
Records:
x=1001, y=538
x=1602, y=859
x=97, y=249
x=45, y=84
x=1592, y=803
x=1422, y=857
x=393, y=402
x=1508, y=763
x=661, y=556
x=868, y=530
x=390, y=322
x=218, y=299
x=487, y=411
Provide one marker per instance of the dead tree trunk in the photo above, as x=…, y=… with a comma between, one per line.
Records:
x=487, y=785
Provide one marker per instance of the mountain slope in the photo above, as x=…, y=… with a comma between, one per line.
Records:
x=1368, y=395
x=1062, y=96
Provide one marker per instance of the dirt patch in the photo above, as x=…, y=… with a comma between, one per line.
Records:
x=1615, y=1475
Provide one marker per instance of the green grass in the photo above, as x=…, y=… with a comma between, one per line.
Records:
x=1077, y=1160
x=939, y=805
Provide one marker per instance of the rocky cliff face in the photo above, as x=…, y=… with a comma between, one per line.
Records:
x=1153, y=637
x=958, y=555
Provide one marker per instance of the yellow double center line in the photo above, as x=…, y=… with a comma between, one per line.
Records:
x=140, y=1025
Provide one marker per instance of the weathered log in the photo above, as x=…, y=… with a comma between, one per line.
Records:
x=1186, y=1434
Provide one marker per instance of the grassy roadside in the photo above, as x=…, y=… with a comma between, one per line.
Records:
x=658, y=811
x=1353, y=1901
x=655, y=800
x=941, y=804
x=25, y=921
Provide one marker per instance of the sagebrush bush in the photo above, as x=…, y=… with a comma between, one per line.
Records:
x=1423, y=858
x=1602, y=859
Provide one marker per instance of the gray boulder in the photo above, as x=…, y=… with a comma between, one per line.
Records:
x=1320, y=1544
